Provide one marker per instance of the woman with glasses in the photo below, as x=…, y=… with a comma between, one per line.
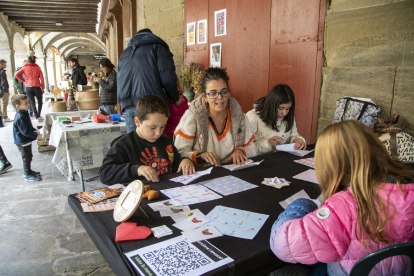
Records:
x=107, y=86
x=214, y=129
x=273, y=120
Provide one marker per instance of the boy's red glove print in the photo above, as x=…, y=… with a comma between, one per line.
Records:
x=154, y=162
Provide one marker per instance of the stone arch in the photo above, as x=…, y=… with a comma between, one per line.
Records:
x=37, y=36
x=71, y=50
x=20, y=50
x=78, y=40
x=91, y=37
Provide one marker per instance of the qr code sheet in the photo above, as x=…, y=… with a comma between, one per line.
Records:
x=175, y=259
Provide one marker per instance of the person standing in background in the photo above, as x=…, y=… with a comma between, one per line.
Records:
x=4, y=91
x=78, y=74
x=20, y=86
x=107, y=86
x=35, y=85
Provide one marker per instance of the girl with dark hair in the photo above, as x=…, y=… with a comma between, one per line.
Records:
x=35, y=85
x=107, y=86
x=273, y=120
x=78, y=74
x=214, y=129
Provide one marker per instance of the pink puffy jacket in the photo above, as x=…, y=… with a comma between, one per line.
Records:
x=327, y=234
x=33, y=74
x=176, y=112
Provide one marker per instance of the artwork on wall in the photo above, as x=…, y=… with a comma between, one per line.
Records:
x=220, y=27
x=191, y=33
x=202, y=31
x=215, y=55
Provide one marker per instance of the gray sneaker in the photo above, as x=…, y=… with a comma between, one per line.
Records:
x=7, y=120
x=4, y=167
x=32, y=177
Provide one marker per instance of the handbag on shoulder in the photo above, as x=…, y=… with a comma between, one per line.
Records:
x=361, y=109
x=399, y=144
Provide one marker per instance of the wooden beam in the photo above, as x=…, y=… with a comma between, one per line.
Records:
x=46, y=10
x=68, y=29
x=52, y=14
x=79, y=5
x=54, y=19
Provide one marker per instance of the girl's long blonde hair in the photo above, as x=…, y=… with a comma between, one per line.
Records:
x=349, y=154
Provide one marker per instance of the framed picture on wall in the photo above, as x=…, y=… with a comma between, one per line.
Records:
x=191, y=33
x=220, y=27
x=202, y=31
x=215, y=55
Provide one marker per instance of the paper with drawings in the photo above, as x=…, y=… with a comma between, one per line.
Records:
x=228, y=185
x=165, y=212
x=178, y=257
x=186, y=179
x=202, y=233
x=190, y=194
x=161, y=204
x=310, y=162
x=309, y=175
x=180, y=216
x=191, y=222
x=247, y=164
x=235, y=222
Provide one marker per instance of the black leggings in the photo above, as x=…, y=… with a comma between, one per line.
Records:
x=3, y=158
x=31, y=93
x=27, y=157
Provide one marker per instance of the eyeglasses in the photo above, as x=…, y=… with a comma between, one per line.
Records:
x=214, y=95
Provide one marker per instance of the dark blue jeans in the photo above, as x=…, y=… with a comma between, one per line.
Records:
x=30, y=110
x=31, y=93
x=129, y=115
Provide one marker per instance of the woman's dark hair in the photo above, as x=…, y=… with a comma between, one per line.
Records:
x=105, y=62
x=214, y=73
x=268, y=106
x=31, y=59
x=74, y=60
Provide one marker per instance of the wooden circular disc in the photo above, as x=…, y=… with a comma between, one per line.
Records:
x=129, y=201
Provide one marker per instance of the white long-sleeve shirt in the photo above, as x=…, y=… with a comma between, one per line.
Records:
x=263, y=133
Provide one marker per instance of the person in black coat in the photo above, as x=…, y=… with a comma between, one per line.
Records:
x=78, y=74
x=145, y=67
x=107, y=86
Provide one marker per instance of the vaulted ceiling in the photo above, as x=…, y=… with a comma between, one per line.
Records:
x=42, y=15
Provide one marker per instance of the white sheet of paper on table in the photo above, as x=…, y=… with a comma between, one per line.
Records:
x=181, y=216
x=202, y=233
x=290, y=148
x=191, y=222
x=162, y=204
x=247, y=164
x=309, y=175
x=187, y=179
x=301, y=194
x=166, y=212
x=164, y=256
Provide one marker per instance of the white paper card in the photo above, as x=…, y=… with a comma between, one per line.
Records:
x=301, y=194
x=165, y=212
x=180, y=216
x=286, y=147
x=309, y=175
x=202, y=233
x=161, y=231
x=161, y=204
x=191, y=223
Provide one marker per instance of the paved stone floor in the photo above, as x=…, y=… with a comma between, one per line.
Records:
x=39, y=233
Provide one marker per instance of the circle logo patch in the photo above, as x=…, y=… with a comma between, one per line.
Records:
x=323, y=213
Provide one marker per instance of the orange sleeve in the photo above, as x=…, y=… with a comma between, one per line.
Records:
x=194, y=159
x=248, y=143
x=185, y=136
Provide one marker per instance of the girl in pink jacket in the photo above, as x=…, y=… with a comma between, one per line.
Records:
x=368, y=205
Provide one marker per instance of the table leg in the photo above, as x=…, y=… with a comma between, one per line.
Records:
x=81, y=180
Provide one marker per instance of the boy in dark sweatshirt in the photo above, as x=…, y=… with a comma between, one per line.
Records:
x=24, y=134
x=146, y=152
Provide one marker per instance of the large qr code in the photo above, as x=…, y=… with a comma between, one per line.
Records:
x=176, y=259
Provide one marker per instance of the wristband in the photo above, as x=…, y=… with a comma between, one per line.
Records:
x=199, y=159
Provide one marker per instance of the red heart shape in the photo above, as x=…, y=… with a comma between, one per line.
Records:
x=129, y=231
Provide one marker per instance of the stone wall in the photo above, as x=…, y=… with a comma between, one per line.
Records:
x=165, y=18
x=369, y=52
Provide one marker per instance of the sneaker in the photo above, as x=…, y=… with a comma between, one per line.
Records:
x=31, y=177
x=34, y=173
x=7, y=120
x=5, y=167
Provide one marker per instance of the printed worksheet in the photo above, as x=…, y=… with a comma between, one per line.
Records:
x=203, y=233
x=236, y=222
x=177, y=256
x=187, y=179
x=190, y=194
x=228, y=185
x=162, y=204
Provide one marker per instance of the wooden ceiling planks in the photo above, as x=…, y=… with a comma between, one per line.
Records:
x=34, y=15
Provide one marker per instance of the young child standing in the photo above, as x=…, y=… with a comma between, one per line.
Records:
x=145, y=152
x=24, y=134
x=273, y=120
x=368, y=201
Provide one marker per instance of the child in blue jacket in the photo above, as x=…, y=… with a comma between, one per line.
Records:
x=24, y=134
